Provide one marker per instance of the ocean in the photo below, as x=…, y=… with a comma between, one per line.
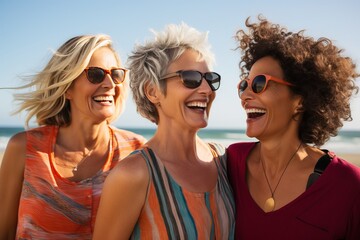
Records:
x=346, y=141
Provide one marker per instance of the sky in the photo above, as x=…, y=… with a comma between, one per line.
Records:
x=31, y=30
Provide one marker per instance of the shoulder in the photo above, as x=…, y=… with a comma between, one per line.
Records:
x=241, y=146
x=347, y=169
x=132, y=169
x=42, y=132
x=15, y=153
x=42, y=129
x=127, y=182
x=220, y=154
x=125, y=191
x=219, y=148
x=18, y=139
x=128, y=136
x=343, y=173
x=345, y=177
x=17, y=144
x=240, y=149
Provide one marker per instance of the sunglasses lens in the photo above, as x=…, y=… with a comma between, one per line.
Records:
x=258, y=83
x=213, y=79
x=191, y=79
x=95, y=75
x=118, y=75
x=242, y=86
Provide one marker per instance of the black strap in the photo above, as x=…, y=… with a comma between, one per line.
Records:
x=320, y=167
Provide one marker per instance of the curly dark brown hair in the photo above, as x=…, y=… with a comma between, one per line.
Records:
x=322, y=75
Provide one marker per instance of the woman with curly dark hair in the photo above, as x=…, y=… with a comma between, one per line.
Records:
x=296, y=92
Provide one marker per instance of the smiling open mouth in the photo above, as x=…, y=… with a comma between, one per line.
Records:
x=255, y=112
x=108, y=99
x=197, y=105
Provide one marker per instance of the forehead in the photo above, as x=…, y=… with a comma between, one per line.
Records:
x=104, y=57
x=189, y=60
x=267, y=65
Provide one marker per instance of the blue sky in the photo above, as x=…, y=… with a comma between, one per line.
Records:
x=29, y=30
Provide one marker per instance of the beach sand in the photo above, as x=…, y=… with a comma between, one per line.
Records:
x=350, y=157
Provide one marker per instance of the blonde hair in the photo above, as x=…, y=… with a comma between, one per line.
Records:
x=48, y=102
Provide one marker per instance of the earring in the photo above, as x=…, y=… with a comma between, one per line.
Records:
x=300, y=108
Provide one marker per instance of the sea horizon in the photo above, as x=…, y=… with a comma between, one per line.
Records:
x=347, y=141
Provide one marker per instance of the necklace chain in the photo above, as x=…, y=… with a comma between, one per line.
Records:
x=75, y=168
x=83, y=159
x=282, y=174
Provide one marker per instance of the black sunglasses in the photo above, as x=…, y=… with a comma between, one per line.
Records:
x=96, y=75
x=259, y=83
x=192, y=79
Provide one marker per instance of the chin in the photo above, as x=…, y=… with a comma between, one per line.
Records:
x=250, y=133
x=203, y=126
x=105, y=116
x=199, y=125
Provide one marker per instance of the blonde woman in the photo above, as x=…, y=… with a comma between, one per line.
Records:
x=51, y=176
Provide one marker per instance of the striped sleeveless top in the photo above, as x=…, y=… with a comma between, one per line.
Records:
x=52, y=207
x=171, y=212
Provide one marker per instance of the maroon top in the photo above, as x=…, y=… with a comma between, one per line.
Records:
x=329, y=209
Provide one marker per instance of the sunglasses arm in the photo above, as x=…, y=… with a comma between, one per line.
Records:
x=170, y=75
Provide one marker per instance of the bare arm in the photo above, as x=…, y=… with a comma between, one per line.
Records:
x=11, y=179
x=122, y=199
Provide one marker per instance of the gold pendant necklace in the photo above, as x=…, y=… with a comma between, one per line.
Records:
x=269, y=205
x=75, y=169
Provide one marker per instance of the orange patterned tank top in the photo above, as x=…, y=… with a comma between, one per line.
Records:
x=52, y=207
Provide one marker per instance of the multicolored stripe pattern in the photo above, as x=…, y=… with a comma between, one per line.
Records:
x=53, y=207
x=171, y=212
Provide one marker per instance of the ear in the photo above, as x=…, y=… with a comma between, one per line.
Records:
x=298, y=105
x=68, y=94
x=152, y=92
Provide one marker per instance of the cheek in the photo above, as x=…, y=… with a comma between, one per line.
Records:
x=211, y=100
x=212, y=96
x=273, y=100
x=282, y=106
x=120, y=94
x=118, y=90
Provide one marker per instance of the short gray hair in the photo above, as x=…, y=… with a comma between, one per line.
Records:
x=149, y=61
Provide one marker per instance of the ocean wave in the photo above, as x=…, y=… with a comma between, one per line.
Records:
x=346, y=143
x=3, y=143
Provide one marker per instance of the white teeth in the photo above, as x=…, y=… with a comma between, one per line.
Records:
x=255, y=110
x=103, y=98
x=197, y=104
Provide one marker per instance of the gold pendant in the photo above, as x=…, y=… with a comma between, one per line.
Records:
x=269, y=205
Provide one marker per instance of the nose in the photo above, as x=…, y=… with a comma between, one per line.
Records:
x=245, y=94
x=108, y=81
x=205, y=86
